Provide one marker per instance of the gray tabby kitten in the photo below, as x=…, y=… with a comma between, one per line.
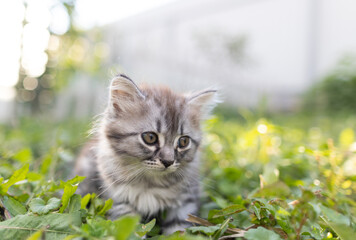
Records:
x=144, y=154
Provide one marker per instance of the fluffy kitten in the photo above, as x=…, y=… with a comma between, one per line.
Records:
x=144, y=154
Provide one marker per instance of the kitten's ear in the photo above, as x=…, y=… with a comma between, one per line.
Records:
x=124, y=94
x=203, y=102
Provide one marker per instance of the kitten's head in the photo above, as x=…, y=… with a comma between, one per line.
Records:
x=152, y=128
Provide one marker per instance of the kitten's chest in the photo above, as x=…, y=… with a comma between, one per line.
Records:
x=147, y=200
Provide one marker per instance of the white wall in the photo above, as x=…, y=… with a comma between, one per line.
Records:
x=289, y=44
x=337, y=33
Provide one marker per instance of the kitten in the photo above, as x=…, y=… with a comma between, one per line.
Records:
x=144, y=154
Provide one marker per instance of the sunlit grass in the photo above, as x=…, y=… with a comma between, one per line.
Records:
x=294, y=179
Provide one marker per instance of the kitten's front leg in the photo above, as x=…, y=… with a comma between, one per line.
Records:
x=121, y=209
x=176, y=217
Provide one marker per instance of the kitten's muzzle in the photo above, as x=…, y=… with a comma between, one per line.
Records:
x=166, y=163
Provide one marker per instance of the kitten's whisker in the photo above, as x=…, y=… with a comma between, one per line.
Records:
x=107, y=188
x=123, y=170
x=202, y=182
x=136, y=174
x=181, y=175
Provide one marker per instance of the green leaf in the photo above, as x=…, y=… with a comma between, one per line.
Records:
x=334, y=216
x=76, y=180
x=261, y=233
x=128, y=223
x=85, y=201
x=37, y=205
x=97, y=227
x=206, y=230
x=73, y=182
x=70, y=237
x=277, y=189
x=142, y=229
x=17, y=176
x=222, y=229
x=213, y=219
x=69, y=190
x=257, y=209
x=32, y=176
x=221, y=202
x=46, y=163
x=24, y=155
x=13, y=206
x=96, y=204
x=36, y=236
x=180, y=236
x=106, y=207
x=75, y=203
x=343, y=231
x=55, y=226
x=230, y=210
x=70, y=187
x=242, y=220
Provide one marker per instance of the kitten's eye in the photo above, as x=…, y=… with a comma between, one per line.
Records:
x=150, y=138
x=183, y=142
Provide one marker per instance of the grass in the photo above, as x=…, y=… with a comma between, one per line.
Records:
x=281, y=177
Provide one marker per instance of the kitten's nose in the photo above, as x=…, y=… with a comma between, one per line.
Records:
x=167, y=163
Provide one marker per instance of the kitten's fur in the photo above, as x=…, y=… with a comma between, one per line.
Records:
x=120, y=165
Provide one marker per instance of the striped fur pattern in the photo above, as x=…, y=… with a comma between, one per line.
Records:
x=142, y=178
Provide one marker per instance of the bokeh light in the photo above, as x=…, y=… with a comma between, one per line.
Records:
x=35, y=39
x=30, y=83
x=11, y=17
x=60, y=20
x=262, y=128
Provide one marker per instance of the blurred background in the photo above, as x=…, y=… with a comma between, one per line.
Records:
x=58, y=56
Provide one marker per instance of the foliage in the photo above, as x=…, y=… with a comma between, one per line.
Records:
x=37, y=205
x=336, y=92
x=67, y=55
x=262, y=180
